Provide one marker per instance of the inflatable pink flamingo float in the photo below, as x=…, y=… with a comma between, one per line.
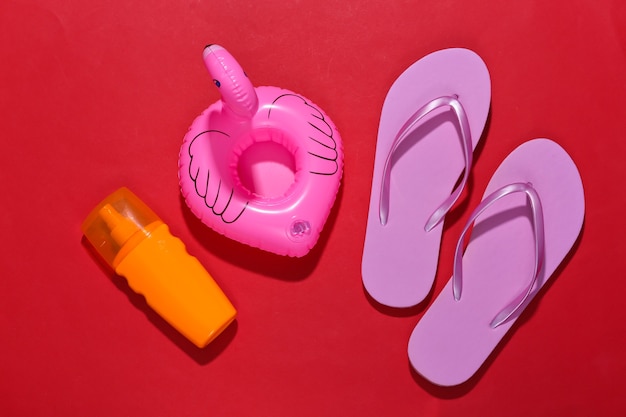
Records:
x=262, y=165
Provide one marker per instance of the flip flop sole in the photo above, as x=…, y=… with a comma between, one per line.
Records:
x=454, y=338
x=400, y=258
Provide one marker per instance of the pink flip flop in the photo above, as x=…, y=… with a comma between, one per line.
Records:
x=530, y=217
x=432, y=120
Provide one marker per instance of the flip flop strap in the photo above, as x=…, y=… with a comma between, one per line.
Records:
x=537, y=216
x=466, y=140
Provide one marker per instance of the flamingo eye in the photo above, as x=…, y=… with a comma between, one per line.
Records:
x=217, y=83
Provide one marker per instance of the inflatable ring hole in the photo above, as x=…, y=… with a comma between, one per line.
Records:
x=267, y=169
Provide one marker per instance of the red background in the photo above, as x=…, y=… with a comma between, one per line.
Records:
x=98, y=94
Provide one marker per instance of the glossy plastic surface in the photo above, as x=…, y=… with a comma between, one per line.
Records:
x=262, y=165
x=138, y=245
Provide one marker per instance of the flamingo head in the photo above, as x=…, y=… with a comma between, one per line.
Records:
x=236, y=89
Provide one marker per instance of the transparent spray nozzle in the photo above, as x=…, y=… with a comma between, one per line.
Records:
x=118, y=223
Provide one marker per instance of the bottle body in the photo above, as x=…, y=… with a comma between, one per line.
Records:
x=177, y=286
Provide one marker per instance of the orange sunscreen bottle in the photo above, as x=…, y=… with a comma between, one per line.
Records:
x=134, y=241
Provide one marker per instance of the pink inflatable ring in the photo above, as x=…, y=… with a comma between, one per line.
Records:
x=262, y=165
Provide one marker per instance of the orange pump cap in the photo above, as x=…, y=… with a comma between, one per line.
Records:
x=116, y=225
